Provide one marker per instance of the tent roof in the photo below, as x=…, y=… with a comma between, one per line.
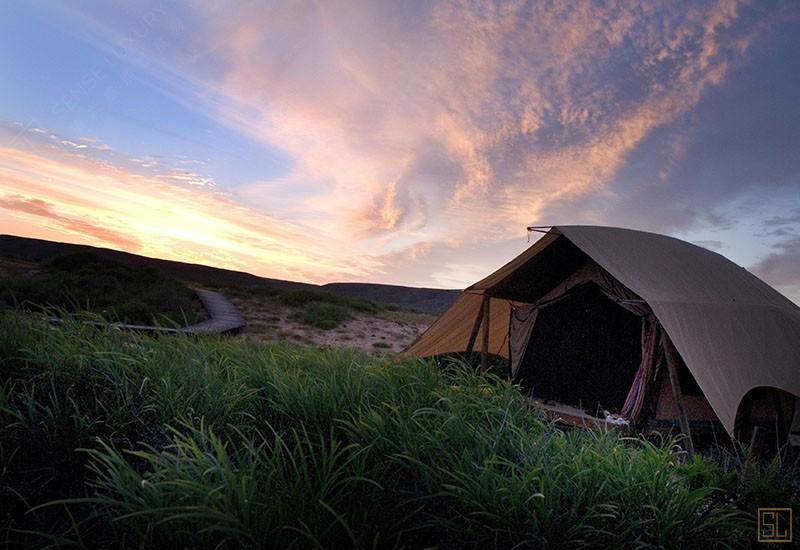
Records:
x=733, y=330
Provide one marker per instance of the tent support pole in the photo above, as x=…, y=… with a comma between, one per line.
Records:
x=474, y=334
x=782, y=430
x=673, y=358
x=485, y=339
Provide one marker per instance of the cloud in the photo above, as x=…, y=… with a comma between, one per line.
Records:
x=44, y=209
x=710, y=244
x=786, y=225
x=190, y=178
x=450, y=126
x=531, y=105
x=110, y=203
x=781, y=268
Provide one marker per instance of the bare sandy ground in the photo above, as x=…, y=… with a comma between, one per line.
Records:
x=383, y=332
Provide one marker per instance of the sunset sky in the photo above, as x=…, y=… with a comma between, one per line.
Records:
x=400, y=142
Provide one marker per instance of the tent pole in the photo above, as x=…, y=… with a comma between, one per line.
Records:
x=485, y=342
x=782, y=429
x=672, y=357
x=474, y=334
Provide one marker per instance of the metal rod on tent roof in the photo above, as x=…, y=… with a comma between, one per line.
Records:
x=485, y=342
x=474, y=334
x=673, y=359
x=539, y=228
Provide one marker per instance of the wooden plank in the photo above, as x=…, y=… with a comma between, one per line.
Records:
x=569, y=416
x=673, y=360
x=485, y=340
x=474, y=334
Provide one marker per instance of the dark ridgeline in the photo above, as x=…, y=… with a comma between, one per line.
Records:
x=428, y=300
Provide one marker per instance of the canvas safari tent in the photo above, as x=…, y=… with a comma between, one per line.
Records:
x=633, y=328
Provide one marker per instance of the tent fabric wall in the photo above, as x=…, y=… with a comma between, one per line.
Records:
x=450, y=333
x=511, y=267
x=733, y=331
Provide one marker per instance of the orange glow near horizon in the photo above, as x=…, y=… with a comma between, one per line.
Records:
x=407, y=145
x=93, y=204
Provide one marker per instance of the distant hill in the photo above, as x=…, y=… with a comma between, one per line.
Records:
x=423, y=299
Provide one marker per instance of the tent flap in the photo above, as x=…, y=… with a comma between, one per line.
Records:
x=450, y=333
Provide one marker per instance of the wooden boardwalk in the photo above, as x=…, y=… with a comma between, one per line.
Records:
x=223, y=317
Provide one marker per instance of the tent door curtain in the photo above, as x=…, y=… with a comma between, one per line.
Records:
x=523, y=319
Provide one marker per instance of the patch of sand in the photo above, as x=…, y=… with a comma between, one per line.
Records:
x=383, y=332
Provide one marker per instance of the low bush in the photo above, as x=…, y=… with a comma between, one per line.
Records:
x=84, y=281
x=324, y=310
x=299, y=298
x=323, y=315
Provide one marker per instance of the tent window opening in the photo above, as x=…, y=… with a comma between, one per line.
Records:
x=584, y=351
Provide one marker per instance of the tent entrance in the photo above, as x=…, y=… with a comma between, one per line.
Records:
x=584, y=352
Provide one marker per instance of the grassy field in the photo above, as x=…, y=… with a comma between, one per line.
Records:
x=110, y=439
x=85, y=282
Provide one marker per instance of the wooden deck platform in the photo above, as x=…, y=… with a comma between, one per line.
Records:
x=572, y=416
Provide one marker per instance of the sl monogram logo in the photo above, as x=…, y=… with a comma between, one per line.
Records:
x=774, y=525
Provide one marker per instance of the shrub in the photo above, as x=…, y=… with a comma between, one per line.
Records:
x=323, y=315
x=85, y=281
x=322, y=309
x=364, y=306
x=298, y=298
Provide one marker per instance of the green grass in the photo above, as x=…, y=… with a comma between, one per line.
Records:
x=111, y=439
x=322, y=315
x=84, y=281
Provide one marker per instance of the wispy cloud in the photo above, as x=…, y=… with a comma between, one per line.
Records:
x=111, y=204
x=781, y=267
x=421, y=136
x=43, y=209
x=474, y=112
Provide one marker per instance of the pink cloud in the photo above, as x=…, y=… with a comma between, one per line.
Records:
x=111, y=204
x=516, y=97
x=447, y=123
